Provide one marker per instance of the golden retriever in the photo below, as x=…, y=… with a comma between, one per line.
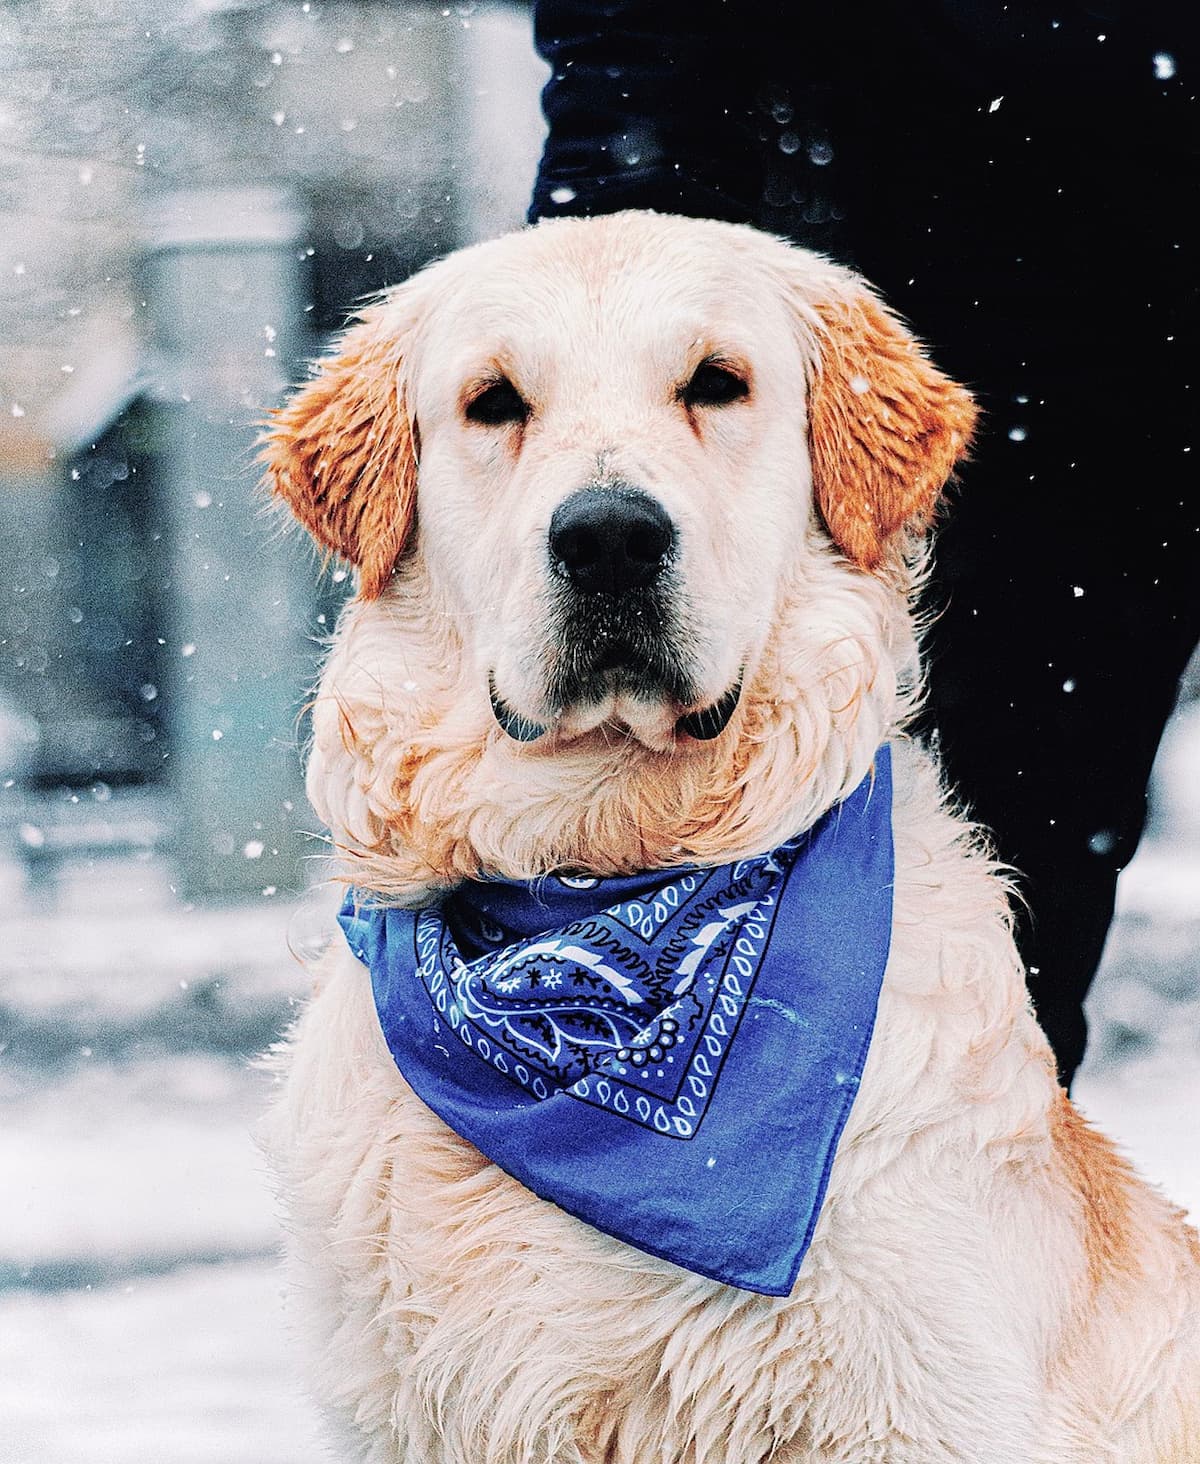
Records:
x=988, y=1281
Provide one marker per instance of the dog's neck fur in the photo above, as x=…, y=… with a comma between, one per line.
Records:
x=420, y=788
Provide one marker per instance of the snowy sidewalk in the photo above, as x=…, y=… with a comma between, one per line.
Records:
x=142, y=1314
x=142, y=1317
x=188, y=1368
x=1141, y=1080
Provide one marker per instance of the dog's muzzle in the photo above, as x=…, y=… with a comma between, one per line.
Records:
x=615, y=622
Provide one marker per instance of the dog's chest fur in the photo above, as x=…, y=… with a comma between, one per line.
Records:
x=457, y=1319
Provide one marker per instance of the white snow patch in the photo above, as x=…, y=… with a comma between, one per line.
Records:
x=193, y=1368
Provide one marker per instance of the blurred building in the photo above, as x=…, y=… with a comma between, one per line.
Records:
x=191, y=197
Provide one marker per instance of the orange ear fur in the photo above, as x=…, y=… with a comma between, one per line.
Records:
x=885, y=428
x=341, y=453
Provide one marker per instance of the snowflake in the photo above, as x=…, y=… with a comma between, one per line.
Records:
x=508, y=984
x=552, y=979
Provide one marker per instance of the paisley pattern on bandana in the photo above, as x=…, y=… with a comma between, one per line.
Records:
x=670, y=1056
x=631, y=1009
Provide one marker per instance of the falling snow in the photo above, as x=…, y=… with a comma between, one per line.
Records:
x=142, y=1317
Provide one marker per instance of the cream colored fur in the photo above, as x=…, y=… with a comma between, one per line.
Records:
x=987, y=1283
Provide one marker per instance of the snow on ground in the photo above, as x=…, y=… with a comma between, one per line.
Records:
x=142, y=1313
x=188, y=1368
x=1152, y=1110
x=135, y=1167
x=1141, y=1080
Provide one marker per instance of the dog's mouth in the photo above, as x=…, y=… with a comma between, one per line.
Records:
x=629, y=665
x=711, y=721
x=703, y=725
x=519, y=728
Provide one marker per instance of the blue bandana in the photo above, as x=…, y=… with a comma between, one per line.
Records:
x=670, y=1056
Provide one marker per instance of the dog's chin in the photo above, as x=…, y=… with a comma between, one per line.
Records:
x=657, y=720
x=621, y=714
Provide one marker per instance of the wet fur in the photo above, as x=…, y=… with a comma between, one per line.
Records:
x=989, y=1282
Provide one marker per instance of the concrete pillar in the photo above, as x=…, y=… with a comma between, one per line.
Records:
x=222, y=279
x=498, y=120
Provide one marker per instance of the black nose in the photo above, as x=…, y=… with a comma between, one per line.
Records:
x=610, y=539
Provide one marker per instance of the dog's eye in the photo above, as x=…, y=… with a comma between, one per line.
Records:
x=714, y=386
x=496, y=404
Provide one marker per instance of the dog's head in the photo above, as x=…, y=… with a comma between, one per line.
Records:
x=604, y=483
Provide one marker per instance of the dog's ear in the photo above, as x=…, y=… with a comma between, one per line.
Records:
x=342, y=451
x=886, y=428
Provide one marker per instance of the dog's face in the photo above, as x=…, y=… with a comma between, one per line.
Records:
x=608, y=452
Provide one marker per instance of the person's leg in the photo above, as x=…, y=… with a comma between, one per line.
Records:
x=1033, y=223
x=1054, y=664
x=649, y=104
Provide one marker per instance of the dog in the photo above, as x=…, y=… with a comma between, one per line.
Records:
x=638, y=507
